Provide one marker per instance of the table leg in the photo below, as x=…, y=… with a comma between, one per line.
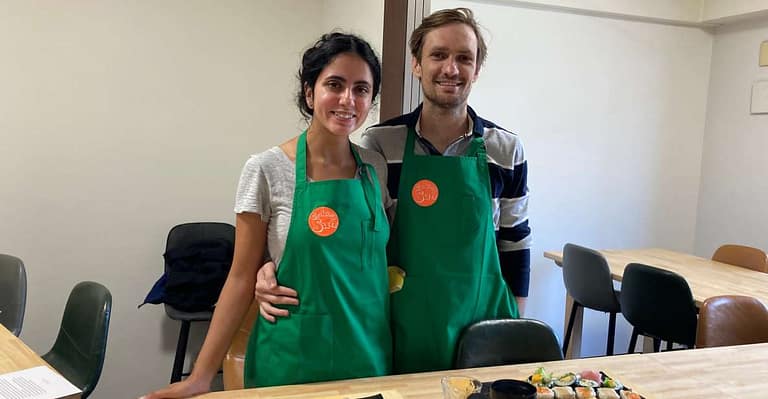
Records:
x=647, y=345
x=574, y=346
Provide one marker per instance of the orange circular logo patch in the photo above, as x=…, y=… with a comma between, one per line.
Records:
x=424, y=193
x=323, y=221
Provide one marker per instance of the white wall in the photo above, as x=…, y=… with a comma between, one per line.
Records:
x=677, y=10
x=612, y=116
x=120, y=119
x=722, y=11
x=734, y=183
x=665, y=11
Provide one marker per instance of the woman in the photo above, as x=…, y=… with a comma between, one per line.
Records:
x=316, y=203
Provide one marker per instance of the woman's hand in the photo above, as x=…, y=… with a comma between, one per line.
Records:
x=183, y=389
x=268, y=293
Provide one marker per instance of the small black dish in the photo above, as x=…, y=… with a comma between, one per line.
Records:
x=512, y=389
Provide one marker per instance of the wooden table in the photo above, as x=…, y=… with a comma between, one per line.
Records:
x=726, y=372
x=15, y=355
x=706, y=278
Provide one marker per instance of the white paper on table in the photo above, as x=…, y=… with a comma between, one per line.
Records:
x=35, y=383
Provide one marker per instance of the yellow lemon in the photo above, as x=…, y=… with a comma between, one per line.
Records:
x=396, y=278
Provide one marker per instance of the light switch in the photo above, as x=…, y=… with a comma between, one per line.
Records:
x=760, y=97
x=764, y=54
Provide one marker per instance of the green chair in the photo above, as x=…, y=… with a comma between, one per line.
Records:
x=13, y=293
x=506, y=341
x=78, y=353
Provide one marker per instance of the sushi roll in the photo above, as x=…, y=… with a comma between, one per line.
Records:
x=584, y=382
x=540, y=377
x=591, y=375
x=609, y=382
x=584, y=393
x=565, y=380
x=564, y=393
x=607, y=393
x=545, y=393
x=630, y=395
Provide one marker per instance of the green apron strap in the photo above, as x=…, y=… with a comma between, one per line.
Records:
x=371, y=188
x=301, y=160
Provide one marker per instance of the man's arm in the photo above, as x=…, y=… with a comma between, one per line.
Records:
x=514, y=234
x=515, y=267
x=268, y=293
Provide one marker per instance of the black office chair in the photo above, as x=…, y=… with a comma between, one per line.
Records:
x=506, y=341
x=658, y=303
x=588, y=281
x=80, y=347
x=13, y=293
x=181, y=236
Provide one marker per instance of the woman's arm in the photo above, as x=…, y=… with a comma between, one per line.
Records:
x=233, y=303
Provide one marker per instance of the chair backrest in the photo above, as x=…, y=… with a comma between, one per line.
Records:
x=185, y=233
x=13, y=293
x=732, y=320
x=234, y=360
x=197, y=257
x=78, y=353
x=741, y=255
x=506, y=341
x=587, y=278
x=659, y=303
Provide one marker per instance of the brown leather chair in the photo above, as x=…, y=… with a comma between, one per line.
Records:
x=740, y=255
x=731, y=320
x=234, y=360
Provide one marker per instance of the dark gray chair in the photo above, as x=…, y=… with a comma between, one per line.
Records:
x=80, y=347
x=178, y=237
x=506, y=341
x=658, y=304
x=588, y=281
x=13, y=293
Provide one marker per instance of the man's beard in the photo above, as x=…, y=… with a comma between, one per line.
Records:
x=445, y=102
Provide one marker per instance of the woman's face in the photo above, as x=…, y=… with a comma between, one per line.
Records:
x=342, y=95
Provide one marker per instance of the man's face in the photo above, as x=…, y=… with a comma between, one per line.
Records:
x=448, y=65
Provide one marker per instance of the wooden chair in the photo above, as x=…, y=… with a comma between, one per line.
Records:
x=731, y=320
x=234, y=360
x=741, y=255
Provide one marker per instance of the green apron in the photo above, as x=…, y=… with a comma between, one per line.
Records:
x=444, y=239
x=335, y=257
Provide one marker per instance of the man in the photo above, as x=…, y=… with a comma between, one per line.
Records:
x=461, y=226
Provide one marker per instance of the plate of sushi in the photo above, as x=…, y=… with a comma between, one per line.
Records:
x=588, y=384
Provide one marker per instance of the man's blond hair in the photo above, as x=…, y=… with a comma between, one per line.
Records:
x=447, y=17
